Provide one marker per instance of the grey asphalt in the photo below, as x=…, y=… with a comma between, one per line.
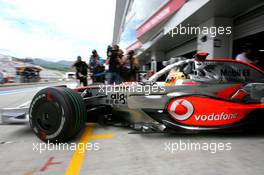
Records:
x=126, y=153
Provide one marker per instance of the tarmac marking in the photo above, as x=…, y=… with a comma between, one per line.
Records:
x=105, y=136
x=9, y=92
x=78, y=157
x=48, y=163
x=30, y=172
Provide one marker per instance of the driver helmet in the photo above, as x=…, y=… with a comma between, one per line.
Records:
x=201, y=56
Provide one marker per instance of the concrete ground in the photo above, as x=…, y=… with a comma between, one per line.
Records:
x=112, y=150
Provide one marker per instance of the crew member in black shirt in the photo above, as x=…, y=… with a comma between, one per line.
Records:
x=81, y=70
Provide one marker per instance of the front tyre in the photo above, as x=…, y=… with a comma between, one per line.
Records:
x=57, y=114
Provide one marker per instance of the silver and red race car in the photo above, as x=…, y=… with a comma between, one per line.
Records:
x=200, y=95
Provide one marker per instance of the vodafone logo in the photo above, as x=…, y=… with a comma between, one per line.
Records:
x=180, y=109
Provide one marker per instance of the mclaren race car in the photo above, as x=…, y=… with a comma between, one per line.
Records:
x=201, y=95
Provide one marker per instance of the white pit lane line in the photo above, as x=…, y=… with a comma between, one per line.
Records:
x=9, y=92
x=70, y=85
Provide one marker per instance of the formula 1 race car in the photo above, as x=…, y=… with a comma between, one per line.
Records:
x=201, y=95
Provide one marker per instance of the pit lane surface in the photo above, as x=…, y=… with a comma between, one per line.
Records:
x=123, y=153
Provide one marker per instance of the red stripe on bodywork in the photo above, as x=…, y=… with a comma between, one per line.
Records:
x=229, y=92
x=213, y=109
x=237, y=61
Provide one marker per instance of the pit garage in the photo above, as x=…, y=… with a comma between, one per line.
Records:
x=157, y=43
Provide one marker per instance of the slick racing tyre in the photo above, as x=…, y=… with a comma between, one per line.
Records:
x=57, y=114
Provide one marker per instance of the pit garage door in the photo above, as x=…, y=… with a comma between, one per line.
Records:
x=250, y=23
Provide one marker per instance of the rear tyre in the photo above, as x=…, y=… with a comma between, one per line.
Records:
x=57, y=114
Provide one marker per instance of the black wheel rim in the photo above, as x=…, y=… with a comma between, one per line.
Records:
x=48, y=117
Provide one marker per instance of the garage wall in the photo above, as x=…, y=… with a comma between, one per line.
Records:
x=249, y=23
x=185, y=48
